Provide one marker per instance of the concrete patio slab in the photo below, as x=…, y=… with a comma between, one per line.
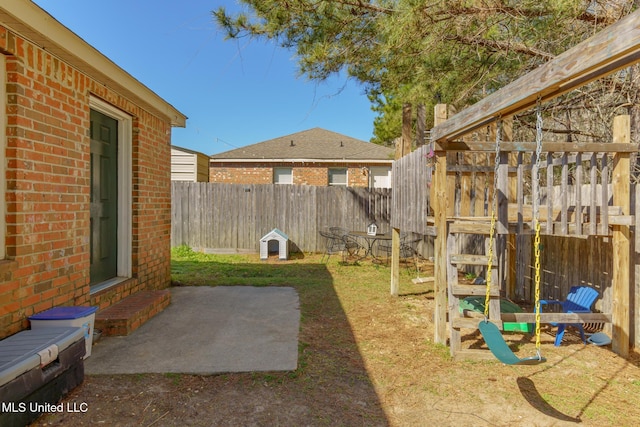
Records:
x=208, y=330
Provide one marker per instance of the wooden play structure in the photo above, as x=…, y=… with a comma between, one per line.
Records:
x=568, y=189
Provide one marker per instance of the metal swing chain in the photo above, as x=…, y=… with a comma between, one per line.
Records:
x=536, y=216
x=492, y=228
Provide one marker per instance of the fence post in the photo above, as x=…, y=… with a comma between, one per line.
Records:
x=621, y=183
x=439, y=199
x=405, y=149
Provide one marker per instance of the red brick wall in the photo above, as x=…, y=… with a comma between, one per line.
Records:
x=303, y=174
x=245, y=175
x=358, y=177
x=151, y=202
x=47, y=179
x=310, y=175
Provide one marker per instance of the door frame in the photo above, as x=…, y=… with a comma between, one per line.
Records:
x=125, y=173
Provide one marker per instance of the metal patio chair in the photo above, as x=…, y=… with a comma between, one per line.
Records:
x=354, y=250
x=333, y=245
x=407, y=249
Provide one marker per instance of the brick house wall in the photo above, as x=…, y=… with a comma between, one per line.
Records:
x=310, y=175
x=48, y=188
x=250, y=174
x=303, y=174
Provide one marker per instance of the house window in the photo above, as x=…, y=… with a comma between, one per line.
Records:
x=338, y=176
x=282, y=175
x=3, y=179
x=380, y=177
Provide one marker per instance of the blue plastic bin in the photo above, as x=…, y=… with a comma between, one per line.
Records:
x=74, y=316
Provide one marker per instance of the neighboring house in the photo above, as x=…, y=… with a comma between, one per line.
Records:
x=85, y=164
x=189, y=165
x=312, y=157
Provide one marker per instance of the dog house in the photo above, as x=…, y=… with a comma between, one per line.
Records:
x=274, y=241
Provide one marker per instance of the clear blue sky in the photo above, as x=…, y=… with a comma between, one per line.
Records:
x=234, y=93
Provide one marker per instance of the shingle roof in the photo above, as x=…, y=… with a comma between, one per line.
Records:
x=312, y=144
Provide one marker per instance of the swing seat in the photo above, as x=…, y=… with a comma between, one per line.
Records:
x=498, y=346
x=579, y=300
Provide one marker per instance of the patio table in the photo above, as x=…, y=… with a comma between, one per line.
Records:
x=370, y=240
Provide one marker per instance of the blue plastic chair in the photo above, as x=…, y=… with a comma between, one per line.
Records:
x=579, y=300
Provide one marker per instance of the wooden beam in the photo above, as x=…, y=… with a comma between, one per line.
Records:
x=557, y=317
x=471, y=322
x=471, y=227
x=471, y=259
x=481, y=225
x=473, y=290
x=510, y=258
x=613, y=48
x=529, y=147
x=439, y=200
x=395, y=262
x=406, y=130
x=621, y=240
x=421, y=124
x=403, y=148
x=531, y=318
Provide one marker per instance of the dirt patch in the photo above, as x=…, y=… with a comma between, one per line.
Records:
x=368, y=359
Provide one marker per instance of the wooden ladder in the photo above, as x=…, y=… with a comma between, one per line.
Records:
x=458, y=291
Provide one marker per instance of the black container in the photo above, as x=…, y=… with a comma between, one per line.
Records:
x=37, y=369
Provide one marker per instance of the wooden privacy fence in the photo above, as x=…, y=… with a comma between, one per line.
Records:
x=411, y=180
x=233, y=217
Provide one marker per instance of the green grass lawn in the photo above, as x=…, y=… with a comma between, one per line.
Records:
x=354, y=283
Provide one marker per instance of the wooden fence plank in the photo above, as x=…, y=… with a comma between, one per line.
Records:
x=578, y=183
x=564, y=178
x=550, y=201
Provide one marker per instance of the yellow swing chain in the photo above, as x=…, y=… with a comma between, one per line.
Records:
x=536, y=215
x=537, y=283
x=492, y=228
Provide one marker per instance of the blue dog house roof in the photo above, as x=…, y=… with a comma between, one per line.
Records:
x=278, y=237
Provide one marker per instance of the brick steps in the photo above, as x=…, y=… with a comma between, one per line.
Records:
x=129, y=314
